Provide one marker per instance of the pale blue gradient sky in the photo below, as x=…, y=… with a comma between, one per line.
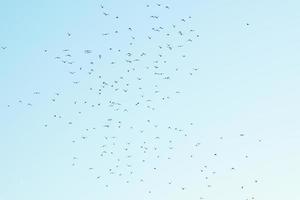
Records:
x=248, y=81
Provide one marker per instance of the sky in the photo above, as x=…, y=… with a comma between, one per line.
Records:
x=247, y=83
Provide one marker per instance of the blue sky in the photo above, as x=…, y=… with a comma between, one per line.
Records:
x=247, y=83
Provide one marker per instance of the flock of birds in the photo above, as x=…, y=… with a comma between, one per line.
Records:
x=125, y=83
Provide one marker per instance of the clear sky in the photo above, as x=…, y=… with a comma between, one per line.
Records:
x=246, y=82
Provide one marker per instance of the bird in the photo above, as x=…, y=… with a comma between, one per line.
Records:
x=123, y=103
